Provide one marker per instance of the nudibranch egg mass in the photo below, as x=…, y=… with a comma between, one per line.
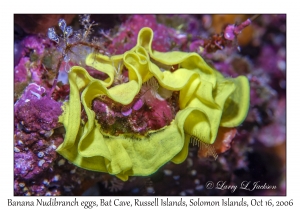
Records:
x=194, y=101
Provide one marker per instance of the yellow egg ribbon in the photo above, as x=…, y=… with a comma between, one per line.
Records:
x=207, y=101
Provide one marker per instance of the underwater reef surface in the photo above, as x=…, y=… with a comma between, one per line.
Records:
x=253, y=152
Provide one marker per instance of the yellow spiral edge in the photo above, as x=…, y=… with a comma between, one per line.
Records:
x=207, y=100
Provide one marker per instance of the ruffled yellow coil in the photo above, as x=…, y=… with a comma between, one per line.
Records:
x=207, y=100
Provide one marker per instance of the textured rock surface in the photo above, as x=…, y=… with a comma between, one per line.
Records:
x=254, y=153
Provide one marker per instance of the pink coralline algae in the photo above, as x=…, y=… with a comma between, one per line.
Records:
x=36, y=112
x=38, y=170
x=148, y=111
x=22, y=70
x=34, y=59
x=36, y=117
x=165, y=38
x=33, y=156
x=36, y=44
x=24, y=164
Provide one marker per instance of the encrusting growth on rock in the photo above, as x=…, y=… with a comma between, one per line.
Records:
x=136, y=130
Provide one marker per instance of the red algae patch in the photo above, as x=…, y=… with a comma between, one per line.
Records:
x=148, y=111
